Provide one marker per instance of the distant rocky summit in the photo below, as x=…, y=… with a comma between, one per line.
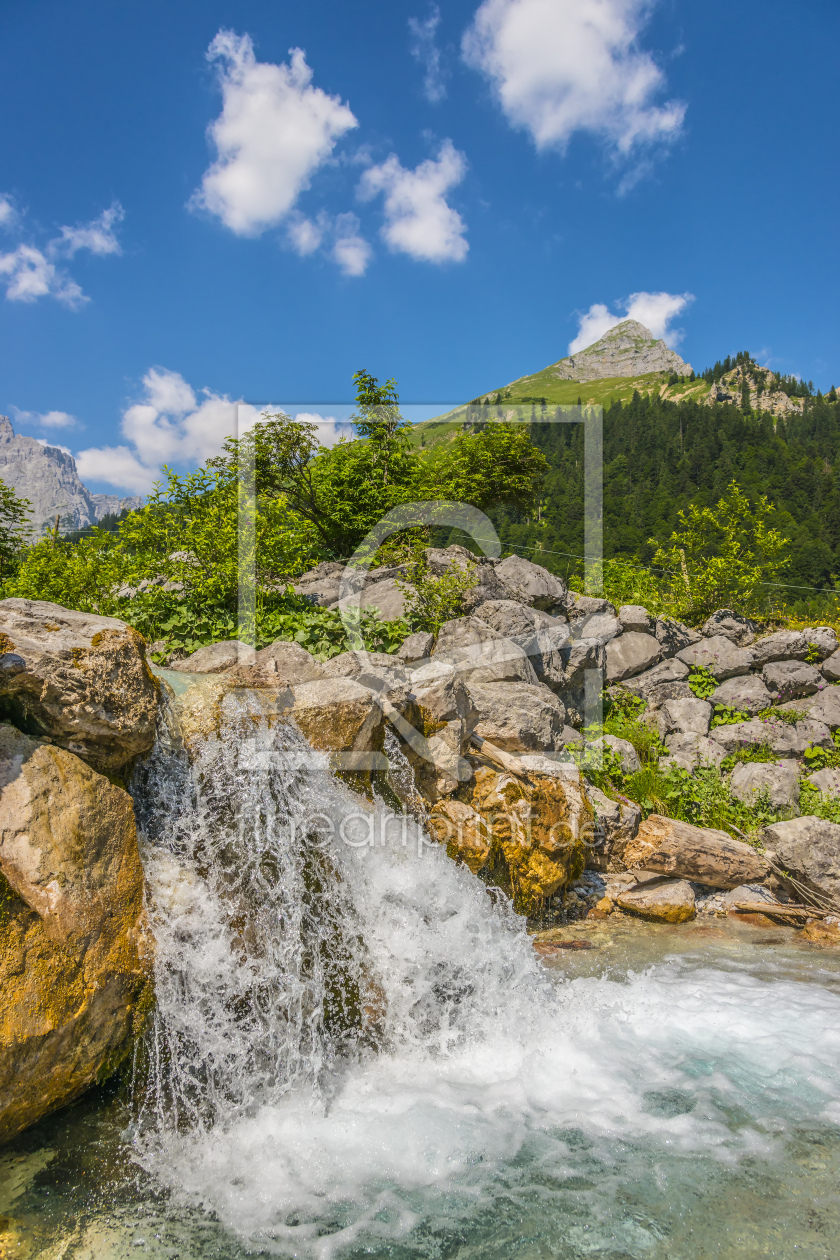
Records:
x=48, y=478
x=629, y=349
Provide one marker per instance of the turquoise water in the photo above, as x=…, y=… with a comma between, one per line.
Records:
x=357, y=1053
x=690, y=1110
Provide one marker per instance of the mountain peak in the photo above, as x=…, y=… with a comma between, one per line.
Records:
x=628, y=349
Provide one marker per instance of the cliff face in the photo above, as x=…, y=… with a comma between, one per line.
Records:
x=629, y=349
x=48, y=478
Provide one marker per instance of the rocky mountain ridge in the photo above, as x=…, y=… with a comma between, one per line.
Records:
x=49, y=479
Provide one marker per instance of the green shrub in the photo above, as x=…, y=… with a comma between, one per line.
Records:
x=724, y=716
x=702, y=682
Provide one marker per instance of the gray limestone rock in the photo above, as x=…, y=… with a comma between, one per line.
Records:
x=690, y=751
x=822, y=707
x=787, y=680
x=634, y=617
x=794, y=645
x=809, y=848
x=512, y=619
x=826, y=781
x=378, y=670
x=628, y=349
x=665, y=672
x=830, y=667
x=481, y=654
x=531, y=584
x=746, y=693
x=630, y=654
x=586, y=605
x=602, y=626
x=216, y=658
x=517, y=717
x=622, y=748
x=281, y=664
x=673, y=636
x=719, y=655
x=779, y=778
x=385, y=596
x=782, y=738
x=417, y=647
x=616, y=823
x=739, y=630
x=687, y=717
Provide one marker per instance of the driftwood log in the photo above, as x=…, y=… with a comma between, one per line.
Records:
x=667, y=846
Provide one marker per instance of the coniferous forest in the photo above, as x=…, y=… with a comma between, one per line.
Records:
x=659, y=456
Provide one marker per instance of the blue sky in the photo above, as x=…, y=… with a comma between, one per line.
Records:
x=191, y=214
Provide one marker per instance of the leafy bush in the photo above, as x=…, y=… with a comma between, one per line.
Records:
x=702, y=682
x=431, y=598
x=812, y=801
x=725, y=716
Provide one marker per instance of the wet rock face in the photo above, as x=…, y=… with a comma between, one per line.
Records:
x=529, y=835
x=73, y=948
x=85, y=682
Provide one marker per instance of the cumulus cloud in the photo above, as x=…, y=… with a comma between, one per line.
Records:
x=330, y=430
x=340, y=237
x=46, y=419
x=170, y=425
x=98, y=236
x=562, y=66
x=425, y=50
x=29, y=272
x=274, y=131
x=351, y=251
x=654, y=310
x=418, y=220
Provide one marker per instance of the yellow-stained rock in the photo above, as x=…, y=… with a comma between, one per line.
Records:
x=667, y=901
x=527, y=833
x=74, y=964
x=80, y=679
x=822, y=933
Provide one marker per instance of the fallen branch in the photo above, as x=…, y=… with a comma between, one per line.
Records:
x=780, y=911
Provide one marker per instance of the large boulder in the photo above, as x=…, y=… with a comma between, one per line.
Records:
x=672, y=636
x=795, y=645
x=281, y=664
x=745, y=693
x=378, y=670
x=731, y=625
x=809, y=849
x=526, y=834
x=73, y=946
x=320, y=585
x=633, y=617
x=216, y=658
x=785, y=739
x=602, y=626
x=530, y=583
x=719, y=655
x=822, y=707
x=779, y=779
x=542, y=637
x=826, y=781
x=481, y=654
x=670, y=847
x=665, y=681
x=588, y=606
x=519, y=718
x=81, y=680
x=662, y=900
x=341, y=716
x=384, y=596
x=689, y=751
x=788, y=680
x=632, y=653
x=416, y=648
x=688, y=717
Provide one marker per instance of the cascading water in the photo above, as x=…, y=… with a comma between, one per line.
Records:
x=354, y=1050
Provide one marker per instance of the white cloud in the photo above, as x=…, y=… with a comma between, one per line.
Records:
x=46, y=419
x=8, y=214
x=561, y=66
x=418, y=220
x=97, y=236
x=305, y=235
x=274, y=131
x=330, y=430
x=425, y=50
x=28, y=275
x=351, y=251
x=654, y=310
x=169, y=426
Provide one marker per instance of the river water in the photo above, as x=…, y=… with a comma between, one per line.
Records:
x=356, y=1052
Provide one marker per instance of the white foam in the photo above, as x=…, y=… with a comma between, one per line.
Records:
x=302, y=1148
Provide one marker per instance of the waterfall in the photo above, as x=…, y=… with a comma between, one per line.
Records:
x=354, y=1048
